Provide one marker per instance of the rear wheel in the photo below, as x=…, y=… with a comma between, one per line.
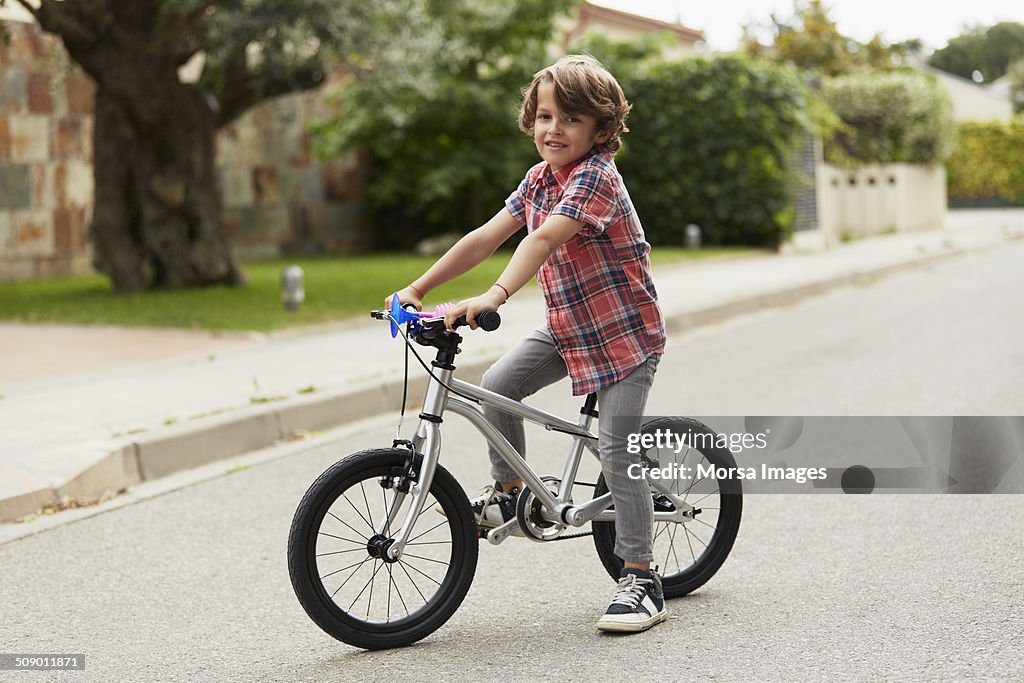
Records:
x=687, y=554
x=338, y=562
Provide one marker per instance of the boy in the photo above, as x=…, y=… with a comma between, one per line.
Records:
x=604, y=326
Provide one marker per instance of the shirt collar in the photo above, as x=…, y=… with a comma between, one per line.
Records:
x=559, y=177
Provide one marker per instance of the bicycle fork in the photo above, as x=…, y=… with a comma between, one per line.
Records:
x=426, y=441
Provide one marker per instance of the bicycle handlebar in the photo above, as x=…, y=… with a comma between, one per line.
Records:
x=486, y=320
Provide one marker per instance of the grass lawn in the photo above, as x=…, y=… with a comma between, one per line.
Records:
x=336, y=288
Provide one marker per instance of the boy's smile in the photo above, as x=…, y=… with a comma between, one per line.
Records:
x=561, y=137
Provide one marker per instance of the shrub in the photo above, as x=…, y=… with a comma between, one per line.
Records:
x=889, y=117
x=988, y=162
x=711, y=143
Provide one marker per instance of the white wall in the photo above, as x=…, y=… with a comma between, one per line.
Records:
x=879, y=199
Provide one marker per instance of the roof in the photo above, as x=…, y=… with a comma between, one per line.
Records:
x=589, y=12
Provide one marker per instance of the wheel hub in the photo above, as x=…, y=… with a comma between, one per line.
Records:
x=378, y=546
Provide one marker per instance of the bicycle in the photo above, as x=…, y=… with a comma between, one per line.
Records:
x=398, y=546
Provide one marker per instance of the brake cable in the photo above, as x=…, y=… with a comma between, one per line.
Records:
x=405, y=381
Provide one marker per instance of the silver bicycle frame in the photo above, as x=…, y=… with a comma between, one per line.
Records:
x=555, y=508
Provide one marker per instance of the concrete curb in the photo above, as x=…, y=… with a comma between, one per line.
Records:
x=226, y=435
x=793, y=294
x=210, y=439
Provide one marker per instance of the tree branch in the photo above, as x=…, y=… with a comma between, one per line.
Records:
x=62, y=19
x=244, y=91
x=173, y=28
x=31, y=8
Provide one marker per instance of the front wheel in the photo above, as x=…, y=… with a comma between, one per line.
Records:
x=688, y=554
x=337, y=556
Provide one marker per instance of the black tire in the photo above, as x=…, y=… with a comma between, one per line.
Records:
x=714, y=529
x=434, y=586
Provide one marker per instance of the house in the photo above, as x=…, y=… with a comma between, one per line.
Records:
x=973, y=102
x=623, y=26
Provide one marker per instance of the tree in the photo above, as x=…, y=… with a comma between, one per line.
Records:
x=441, y=129
x=811, y=41
x=890, y=117
x=157, y=212
x=1016, y=75
x=989, y=51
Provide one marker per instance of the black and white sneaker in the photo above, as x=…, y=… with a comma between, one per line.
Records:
x=637, y=605
x=493, y=507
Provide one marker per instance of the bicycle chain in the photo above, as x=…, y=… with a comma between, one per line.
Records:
x=570, y=536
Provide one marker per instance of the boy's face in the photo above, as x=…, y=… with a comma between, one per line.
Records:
x=562, y=137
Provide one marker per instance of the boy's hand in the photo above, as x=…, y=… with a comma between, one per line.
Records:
x=405, y=296
x=488, y=301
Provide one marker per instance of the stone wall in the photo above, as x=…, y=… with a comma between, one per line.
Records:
x=45, y=158
x=277, y=198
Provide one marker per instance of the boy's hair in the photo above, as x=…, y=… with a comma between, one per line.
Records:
x=582, y=86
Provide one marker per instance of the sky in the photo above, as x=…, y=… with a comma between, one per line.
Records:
x=721, y=20
x=897, y=20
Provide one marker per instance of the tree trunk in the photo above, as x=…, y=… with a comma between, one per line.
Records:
x=157, y=216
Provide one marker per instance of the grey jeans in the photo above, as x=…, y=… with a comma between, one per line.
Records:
x=535, y=363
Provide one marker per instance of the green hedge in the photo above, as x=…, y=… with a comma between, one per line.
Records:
x=988, y=162
x=889, y=117
x=711, y=143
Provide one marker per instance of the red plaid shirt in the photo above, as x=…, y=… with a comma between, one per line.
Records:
x=602, y=308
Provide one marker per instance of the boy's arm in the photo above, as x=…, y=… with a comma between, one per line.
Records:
x=473, y=248
x=529, y=256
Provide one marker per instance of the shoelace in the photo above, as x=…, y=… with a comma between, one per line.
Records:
x=631, y=590
x=492, y=495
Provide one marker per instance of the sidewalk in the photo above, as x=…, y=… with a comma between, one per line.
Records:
x=89, y=411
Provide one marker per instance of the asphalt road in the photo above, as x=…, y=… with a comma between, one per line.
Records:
x=192, y=585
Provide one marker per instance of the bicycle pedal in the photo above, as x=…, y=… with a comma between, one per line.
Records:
x=499, y=533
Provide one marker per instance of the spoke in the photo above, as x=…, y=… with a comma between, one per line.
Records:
x=679, y=565
x=695, y=537
x=426, y=507
x=360, y=594
x=429, y=542
x=428, y=559
x=344, y=568
x=342, y=538
x=685, y=456
x=690, y=487
x=339, y=552
x=347, y=524
x=369, y=601
x=692, y=554
x=400, y=598
x=369, y=515
x=664, y=525
x=697, y=519
x=705, y=496
x=415, y=569
x=353, y=506
x=669, y=547
x=387, y=512
x=349, y=576
x=387, y=615
x=441, y=523
x=413, y=584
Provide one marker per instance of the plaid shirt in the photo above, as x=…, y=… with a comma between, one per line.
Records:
x=602, y=308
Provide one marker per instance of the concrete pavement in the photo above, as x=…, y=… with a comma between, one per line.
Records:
x=88, y=412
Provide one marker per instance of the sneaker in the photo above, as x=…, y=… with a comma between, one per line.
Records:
x=494, y=507
x=637, y=605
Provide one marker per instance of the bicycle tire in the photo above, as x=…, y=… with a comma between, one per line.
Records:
x=725, y=528
x=322, y=504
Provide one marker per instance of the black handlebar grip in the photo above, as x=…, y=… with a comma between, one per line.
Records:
x=488, y=321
